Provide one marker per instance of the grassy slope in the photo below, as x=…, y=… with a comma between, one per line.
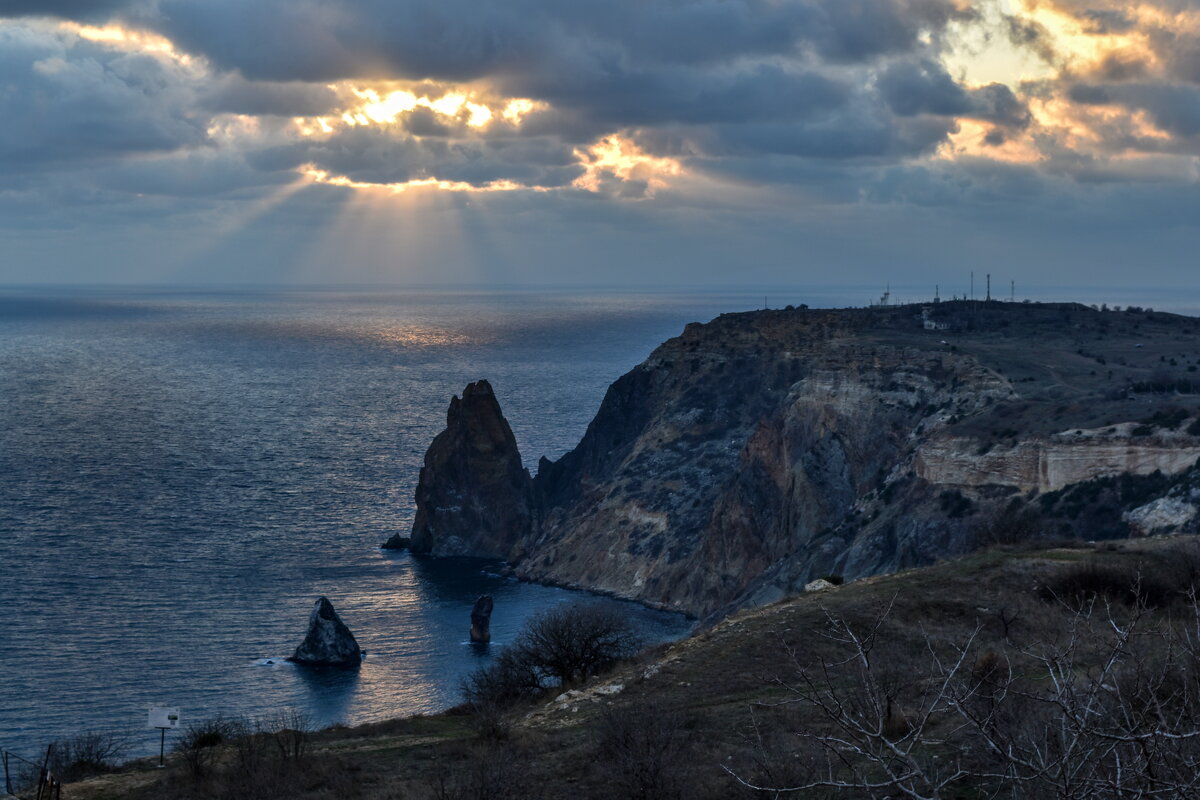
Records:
x=708, y=681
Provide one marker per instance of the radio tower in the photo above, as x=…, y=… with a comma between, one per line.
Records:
x=989, y=287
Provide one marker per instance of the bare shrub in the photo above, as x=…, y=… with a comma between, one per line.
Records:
x=1008, y=528
x=562, y=646
x=570, y=644
x=87, y=754
x=201, y=742
x=508, y=680
x=643, y=753
x=251, y=747
x=1110, y=709
x=487, y=773
x=1130, y=583
x=291, y=730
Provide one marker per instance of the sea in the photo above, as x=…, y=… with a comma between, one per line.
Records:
x=184, y=471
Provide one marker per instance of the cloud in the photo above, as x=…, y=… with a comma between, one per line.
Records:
x=231, y=93
x=68, y=9
x=196, y=109
x=68, y=100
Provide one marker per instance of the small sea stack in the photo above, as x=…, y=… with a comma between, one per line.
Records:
x=481, y=620
x=329, y=642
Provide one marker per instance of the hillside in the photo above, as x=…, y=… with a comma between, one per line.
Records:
x=760, y=450
x=988, y=633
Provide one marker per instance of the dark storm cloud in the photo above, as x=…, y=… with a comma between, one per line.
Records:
x=471, y=39
x=234, y=94
x=783, y=104
x=384, y=155
x=68, y=100
x=67, y=9
x=720, y=76
x=924, y=87
x=1174, y=108
x=612, y=96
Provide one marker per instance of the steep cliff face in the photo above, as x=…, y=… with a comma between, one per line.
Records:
x=756, y=452
x=473, y=494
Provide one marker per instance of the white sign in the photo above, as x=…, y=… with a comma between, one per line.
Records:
x=164, y=718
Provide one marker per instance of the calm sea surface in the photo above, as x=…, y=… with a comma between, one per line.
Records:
x=183, y=473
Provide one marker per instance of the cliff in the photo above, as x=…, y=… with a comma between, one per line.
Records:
x=758, y=451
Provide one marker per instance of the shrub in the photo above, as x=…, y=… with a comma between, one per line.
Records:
x=503, y=683
x=570, y=644
x=643, y=753
x=201, y=742
x=87, y=754
x=1008, y=528
x=291, y=730
x=1132, y=584
x=559, y=647
x=490, y=773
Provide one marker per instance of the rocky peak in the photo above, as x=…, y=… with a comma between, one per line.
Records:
x=473, y=494
x=329, y=642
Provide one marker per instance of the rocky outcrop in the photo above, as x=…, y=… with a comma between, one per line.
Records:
x=329, y=642
x=757, y=452
x=1047, y=464
x=481, y=620
x=473, y=494
x=1164, y=515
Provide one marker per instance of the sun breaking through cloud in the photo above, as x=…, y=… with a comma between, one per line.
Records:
x=694, y=110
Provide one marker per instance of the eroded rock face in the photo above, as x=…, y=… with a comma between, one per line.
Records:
x=329, y=642
x=1048, y=464
x=473, y=494
x=481, y=620
x=752, y=454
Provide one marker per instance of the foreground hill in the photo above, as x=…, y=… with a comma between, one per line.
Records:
x=1081, y=663
x=763, y=449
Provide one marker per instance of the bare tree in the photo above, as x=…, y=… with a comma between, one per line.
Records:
x=570, y=644
x=1111, y=710
x=88, y=753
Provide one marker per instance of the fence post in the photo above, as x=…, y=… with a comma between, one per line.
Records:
x=45, y=780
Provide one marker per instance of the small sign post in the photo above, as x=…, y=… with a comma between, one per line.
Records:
x=163, y=719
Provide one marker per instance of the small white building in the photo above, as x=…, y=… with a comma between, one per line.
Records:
x=931, y=324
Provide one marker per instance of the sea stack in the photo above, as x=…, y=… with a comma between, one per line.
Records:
x=329, y=642
x=481, y=620
x=474, y=494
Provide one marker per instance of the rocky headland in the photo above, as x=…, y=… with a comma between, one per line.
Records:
x=757, y=452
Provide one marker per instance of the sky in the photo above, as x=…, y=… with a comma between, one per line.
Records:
x=616, y=143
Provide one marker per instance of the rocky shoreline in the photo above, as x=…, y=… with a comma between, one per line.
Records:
x=756, y=452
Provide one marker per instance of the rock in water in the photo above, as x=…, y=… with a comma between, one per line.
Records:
x=329, y=642
x=481, y=620
x=473, y=494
